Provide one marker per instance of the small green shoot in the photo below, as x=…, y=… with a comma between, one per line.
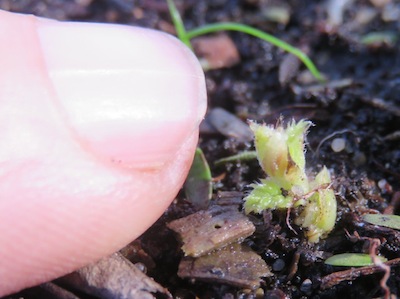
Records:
x=198, y=186
x=186, y=36
x=391, y=221
x=388, y=38
x=178, y=24
x=241, y=157
x=281, y=154
x=352, y=260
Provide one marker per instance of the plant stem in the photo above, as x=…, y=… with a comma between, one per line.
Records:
x=178, y=23
x=211, y=28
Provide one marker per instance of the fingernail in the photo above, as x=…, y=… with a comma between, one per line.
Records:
x=131, y=95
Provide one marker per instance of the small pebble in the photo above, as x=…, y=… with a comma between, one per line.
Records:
x=338, y=144
x=278, y=265
x=359, y=158
x=306, y=286
x=385, y=187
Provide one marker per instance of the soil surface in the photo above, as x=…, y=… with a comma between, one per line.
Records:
x=356, y=134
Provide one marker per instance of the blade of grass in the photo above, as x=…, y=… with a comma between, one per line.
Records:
x=178, y=23
x=241, y=157
x=229, y=26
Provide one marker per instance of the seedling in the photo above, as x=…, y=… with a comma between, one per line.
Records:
x=198, y=186
x=186, y=36
x=241, y=157
x=352, y=260
x=391, y=221
x=281, y=154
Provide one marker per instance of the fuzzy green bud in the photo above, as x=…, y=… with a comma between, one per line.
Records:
x=271, y=148
x=266, y=195
x=281, y=154
x=319, y=215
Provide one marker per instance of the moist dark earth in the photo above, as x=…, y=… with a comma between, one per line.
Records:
x=359, y=104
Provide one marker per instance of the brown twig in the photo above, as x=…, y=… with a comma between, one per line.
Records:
x=377, y=262
x=382, y=104
x=335, y=278
x=351, y=274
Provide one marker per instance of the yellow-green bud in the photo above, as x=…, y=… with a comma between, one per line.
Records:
x=281, y=154
x=271, y=147
x=319, y=215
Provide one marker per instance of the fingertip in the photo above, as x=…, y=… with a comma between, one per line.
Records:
x=132, y=95
x=58, y=197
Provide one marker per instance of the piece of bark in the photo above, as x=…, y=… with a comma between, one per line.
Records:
x=216, y=51
x=229, y=125
x=135, y=253
x=215, y=228
x=114, y=277
x=235, y=264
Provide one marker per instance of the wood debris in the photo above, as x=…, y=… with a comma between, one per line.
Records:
x=212, y=229
x=216, y=51
x=235, y=264
x=114, y=277
x=335, y=278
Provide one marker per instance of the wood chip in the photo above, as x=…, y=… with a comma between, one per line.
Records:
x=215, y=228
x=235, y=265
x=216, y=51
x=114, y=277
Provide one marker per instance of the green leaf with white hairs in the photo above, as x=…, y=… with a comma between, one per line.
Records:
x=271, y=148
x=266, y=195
x=296, y=133
x=281, y=153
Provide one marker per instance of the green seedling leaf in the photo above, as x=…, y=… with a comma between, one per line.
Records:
x=266, y=195
x=281, y=154
x=178, y=24
x=198, y=187
x=391, y=221
x=379, y=38
x=352, y=260
x=241, y=157
x=296, y=133
x=319, y=215
x=271, y=148
x=231, y=26
x=186, y=36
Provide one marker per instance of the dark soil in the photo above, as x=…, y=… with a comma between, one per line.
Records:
x=364, y=111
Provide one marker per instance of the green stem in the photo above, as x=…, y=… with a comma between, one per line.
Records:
x=178, y=23
x=211, y=28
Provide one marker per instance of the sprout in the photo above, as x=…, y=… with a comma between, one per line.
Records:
x=281, y=154
x=352, y=260
x=186, y=36
x=319, y=215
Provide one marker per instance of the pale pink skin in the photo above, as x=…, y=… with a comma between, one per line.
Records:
x=98, y=127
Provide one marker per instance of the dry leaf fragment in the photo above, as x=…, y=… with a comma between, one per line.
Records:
x=214, y=228
x=114, y=277
x=235, y=264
